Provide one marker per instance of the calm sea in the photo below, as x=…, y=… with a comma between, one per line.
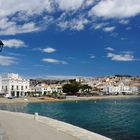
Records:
x=118, y=119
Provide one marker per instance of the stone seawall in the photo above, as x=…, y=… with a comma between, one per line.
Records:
x=21, y=126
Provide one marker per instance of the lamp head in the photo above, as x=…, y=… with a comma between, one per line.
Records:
x=1, y=45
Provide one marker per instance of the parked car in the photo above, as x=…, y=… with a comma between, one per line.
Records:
x=10, y=98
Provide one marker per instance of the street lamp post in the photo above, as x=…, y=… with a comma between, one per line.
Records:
x=1, y=45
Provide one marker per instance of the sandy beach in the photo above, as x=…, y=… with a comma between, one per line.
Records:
x=27, y=100
x=47, y=99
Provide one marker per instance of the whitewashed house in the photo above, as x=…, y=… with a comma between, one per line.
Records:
x=120, y=88
x=48, y=89
x=13, y=85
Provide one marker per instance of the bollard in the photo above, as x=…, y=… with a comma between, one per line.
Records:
x=36, y=116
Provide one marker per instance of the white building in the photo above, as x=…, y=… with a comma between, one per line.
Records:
x=120, y=88
x=13, y=85
x=48, y=89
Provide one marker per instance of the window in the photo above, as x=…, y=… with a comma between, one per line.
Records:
x=17, y=87
x=21, y=87
x=5, y=88
x=12, y=87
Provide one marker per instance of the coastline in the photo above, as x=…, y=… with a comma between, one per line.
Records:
x=106, y=97
x=47, y=99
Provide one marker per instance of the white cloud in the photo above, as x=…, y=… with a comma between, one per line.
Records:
x=23, y=16
x=109, y=29
x=74, y=24
x=68, y=5
x=36, y=15
x=100, y=25
x=11, y=28
x=23, y=10
x=55, y=61
x=31, y=7
x=49, y=50
x=5, y=23
x=7, y=60
x=109, y=49
x=15, y=54
x=92, y=57
x=89, y=2
x=14, y=43
x=124, y=21
x=116, y=8
x=121, y=57
x=128, y=28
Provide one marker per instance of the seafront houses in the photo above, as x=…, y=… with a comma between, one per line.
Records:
x=120, y=88
x=112, y=84
x=13, y=85
x=45, y=89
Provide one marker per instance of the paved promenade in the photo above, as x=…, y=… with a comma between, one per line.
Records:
x=20, y=126
x=3, y=135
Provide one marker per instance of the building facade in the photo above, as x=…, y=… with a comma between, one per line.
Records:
x=48, y=89
x=13, y=85
x=121, y=88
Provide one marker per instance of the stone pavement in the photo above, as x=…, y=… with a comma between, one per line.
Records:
x=20, y=126
x=3, y=135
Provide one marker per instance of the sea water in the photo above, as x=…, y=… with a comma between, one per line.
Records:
x=115, y=118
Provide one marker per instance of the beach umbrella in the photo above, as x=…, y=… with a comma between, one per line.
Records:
x=1, y=45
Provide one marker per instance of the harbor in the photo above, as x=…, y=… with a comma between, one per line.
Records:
x=115, y=118
x=69, y=70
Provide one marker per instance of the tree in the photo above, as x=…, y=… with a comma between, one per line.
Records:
x=54, y=94
x=72, y=87
x=85, y=88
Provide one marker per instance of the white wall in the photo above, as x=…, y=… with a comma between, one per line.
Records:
x=13, y=80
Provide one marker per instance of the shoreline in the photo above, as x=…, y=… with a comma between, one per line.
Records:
x=106, y=97
x=47, y=99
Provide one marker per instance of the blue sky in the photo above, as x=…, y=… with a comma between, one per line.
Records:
x=60, y=38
